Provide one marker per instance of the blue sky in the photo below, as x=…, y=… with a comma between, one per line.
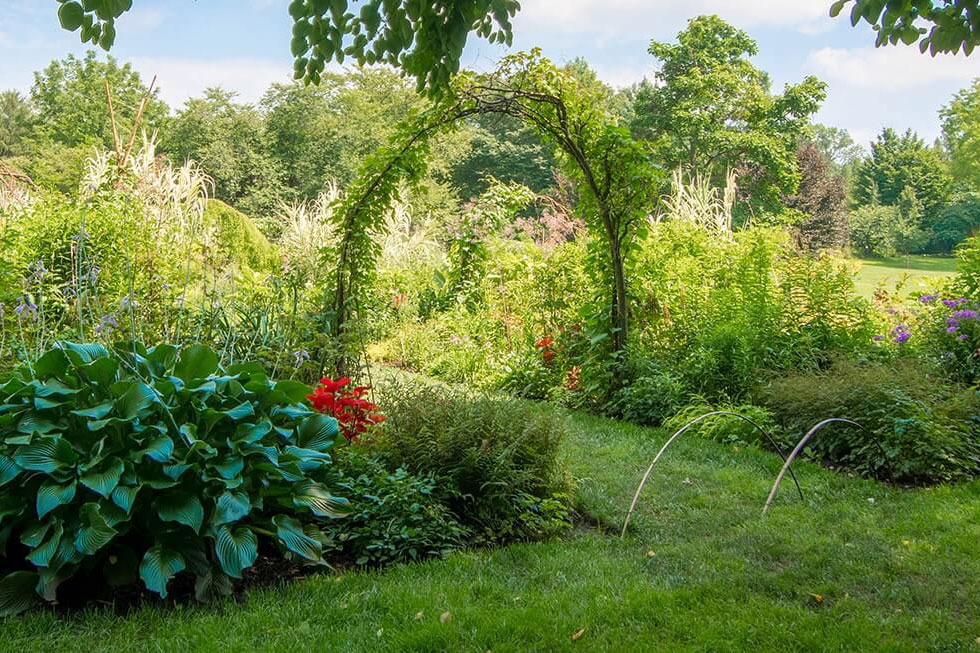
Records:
x=243, y=45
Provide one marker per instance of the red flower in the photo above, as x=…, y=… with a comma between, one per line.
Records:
x=347, y=405
x=545, y=343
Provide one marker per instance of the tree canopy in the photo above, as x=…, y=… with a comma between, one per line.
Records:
x=955, y=23
x=961, y=136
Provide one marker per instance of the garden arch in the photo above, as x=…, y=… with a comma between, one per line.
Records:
x=618, y=178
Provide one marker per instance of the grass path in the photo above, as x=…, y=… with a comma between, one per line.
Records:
x=857, y=566
x=918, y=272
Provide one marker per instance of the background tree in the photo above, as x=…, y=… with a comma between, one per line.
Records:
x=822, y=197
x=955, y=23
x=712, y=110
x=69, y=96
x=837, y=146
x=16, y=122
x=961, y=136
x=900, y=162
x=227, y=140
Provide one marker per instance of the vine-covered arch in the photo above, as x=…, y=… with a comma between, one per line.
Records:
x=619, y=180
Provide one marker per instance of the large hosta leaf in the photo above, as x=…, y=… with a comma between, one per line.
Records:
x=230, y=507
x=53, y=363
x=135, y=400
x=229, y=467
x=181, y=507
x=290, y=532
x=196, y=362
x=53, y=388
x=95, y=412
x=212, y=585
x=9, y=470
x=17, y=592
x=51, y=495
x=33, y=424
x=81, y=354
x=294, y=391
x=239, y=412
x=318, y=432
x=42, y=554
x=125, y=496
x=95, y=532
x=236, y=549
x=318, y=499
x=46, y=454
x=251, y=433
x=159, y=449
x=103, y=371
x=106, y=479
x=159, y=565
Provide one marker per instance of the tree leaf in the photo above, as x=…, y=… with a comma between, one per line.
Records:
x=318, y=432
x=51, y=495
x=17, y=593
x=95, y=532
x=196, y=362
x=181, y=507
x=158, y=567
x=230, y=507
x=290, y=532
x=47, y=454
x=236, y=550
x=318, y=499
x=104, y=482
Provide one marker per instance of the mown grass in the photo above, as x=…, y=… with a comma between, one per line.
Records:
x=915, y=272
x=858, y=565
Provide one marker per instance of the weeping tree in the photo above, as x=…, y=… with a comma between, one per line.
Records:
x=617, y=177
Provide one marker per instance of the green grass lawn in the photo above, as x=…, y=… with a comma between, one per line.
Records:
x=857, y=566
x=918, y=272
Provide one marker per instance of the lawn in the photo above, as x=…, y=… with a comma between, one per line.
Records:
x=917, y=272
x=858, y=565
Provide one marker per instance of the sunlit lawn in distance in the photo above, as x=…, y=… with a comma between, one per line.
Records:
x=917, y=272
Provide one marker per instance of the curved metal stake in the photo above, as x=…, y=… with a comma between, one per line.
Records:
x=772, y=442
x=802, y=443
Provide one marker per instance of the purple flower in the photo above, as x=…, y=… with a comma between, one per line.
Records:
x=951, y=330
x=106, y=325
x=952, y=321
x=966, y=315
x=126, y=303
x=301, y=356
x=928, y=299
x=901, y=328
x=963, y=337
x=93, y=275
x=26, y=306
x=950, y=303
x=38, y=271
x=902, y=338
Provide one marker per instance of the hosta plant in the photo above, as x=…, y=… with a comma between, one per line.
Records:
x=136, y=464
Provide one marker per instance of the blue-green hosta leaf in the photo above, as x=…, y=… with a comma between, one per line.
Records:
x=270, y=453
x=81, y=354
x=202, y=450
x=203, y=388
x=43, y=554
x=318, y=499
x=318, y=432
x=124, y=496
x=249, y=433
x=20, y=439
x=181, y=507
x=158, y=567
x=212, y=585
x=135, y=400
x=163, y=358
x=17, y=593
x=196, y=362
x=236, y=549
x=292, y=411
x=45, y=455
x=113, y=514
x=40, y=403
x=239, y=412
x=53, y=363
x=189, y=433
x=294, y=391
x=103, y=371
x=95, y=532
x=53, y=388
x=159, y=483
x=9, y=470
x=33, y=424
x=286, y=471
x=95, y=412
x=229, y=467
x=290, y=532
x=230, y=507
x=34, y=534
x=159, y=449
x=97, y=425
x=306, y=459
x=51, y=495
x=247, y=369
x=176, y=470
x=106, y=479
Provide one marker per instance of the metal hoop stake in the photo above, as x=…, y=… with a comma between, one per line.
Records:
x=802, y=443
x=725, y=413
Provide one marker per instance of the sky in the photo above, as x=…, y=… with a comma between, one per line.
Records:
x=243, y=46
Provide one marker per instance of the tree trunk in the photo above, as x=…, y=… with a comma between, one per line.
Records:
x=620, y=309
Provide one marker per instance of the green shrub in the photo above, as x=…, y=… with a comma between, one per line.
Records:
x=495, y=461
x=395, y=517
x=651, y=397
x=732, y=430
x=144, y=463
x=927, y=427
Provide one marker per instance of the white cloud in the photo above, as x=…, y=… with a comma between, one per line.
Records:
x=615, y=16
x=180, y=79
x=142, y=19
x=894, y=68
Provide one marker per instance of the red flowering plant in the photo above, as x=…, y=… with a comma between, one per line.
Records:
x=546, y=347
x=347, y=405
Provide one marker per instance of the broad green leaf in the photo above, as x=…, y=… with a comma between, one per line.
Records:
x=318, y=432
x=54, y=388
x=34, y=534
x=212, y=585
x=51, y=495
x=45, y=455
x=239, y=412
x=196, y=362
x=306, y=459
x=17, y=593
x=159, y=449
x=95, y=532
x=229, y=467
x=33, y=424
x=163, y=357
x=230, y=507
x=294, y=391
x=9, y=470
x=42, y=555
x=236, y=549
x=95, y=412
x=181, y=507
x=249, y=433
x=40, y=403
x=81, y=354
x=318, y=499
x=103, y=371
x=104, y=481
x=135, y=400
x=158, y=567
x=53, y=363
x=125, y=496
x=292, y=411
x=270, y=453
x=290, y=532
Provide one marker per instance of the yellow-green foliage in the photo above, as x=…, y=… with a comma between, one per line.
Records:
x=238, y=239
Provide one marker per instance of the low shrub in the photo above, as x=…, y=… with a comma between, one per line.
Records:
x=395, y=517
x=143, y=463
x=652, y=396
x=495, y=461
x=927, y=427
x=732, y=430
